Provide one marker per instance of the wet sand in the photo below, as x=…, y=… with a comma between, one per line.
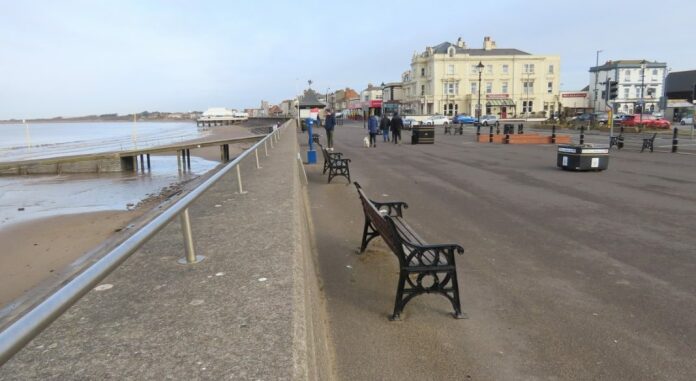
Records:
x=40, y=251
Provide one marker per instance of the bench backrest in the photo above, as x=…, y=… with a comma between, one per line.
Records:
x=383, y=224
x=324, y=152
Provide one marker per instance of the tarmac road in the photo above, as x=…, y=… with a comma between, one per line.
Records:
x=566, y=276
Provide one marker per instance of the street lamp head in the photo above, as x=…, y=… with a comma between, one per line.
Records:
x=479, y=67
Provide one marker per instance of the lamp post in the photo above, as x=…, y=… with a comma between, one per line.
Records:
x=642, y=90
x=479, y=68
x=381, y=114
x=327, y=98
x=595, y=79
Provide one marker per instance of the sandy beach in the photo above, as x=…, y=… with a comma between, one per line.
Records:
x=40, y=251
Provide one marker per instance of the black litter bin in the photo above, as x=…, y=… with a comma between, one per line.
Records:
x=423, y=135
x=582, y=157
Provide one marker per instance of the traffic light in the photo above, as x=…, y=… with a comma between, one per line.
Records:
x=613, y=89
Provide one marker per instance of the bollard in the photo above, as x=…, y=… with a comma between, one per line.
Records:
x=520, y=128
x=490, y=134
x=553, y=134
x=478, y=130
x=497, y=129
x=507, y=138
x=191, y=256
x=675, y=140
x=582, y=134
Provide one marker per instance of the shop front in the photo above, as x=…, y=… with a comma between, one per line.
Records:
x=500, y=105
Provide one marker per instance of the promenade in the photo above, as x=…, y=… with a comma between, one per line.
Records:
x=251, y=310
x=566, y=276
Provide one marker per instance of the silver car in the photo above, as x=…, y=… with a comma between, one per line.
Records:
x=491, y=120
x=687, y=120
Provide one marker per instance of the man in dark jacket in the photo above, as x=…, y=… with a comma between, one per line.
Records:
x=396, y=125
x=384, y=126
x=329, y=125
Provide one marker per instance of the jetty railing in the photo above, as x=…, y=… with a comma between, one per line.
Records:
x=22, y=330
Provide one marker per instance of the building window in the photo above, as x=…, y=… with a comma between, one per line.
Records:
x=474, y=87
x=526, y=106
x=422, y=72
x=626, y=92
x=489, y=87
x=450, y=51
x=422, y=89
x=450, y=88
x=489, y=69
x=506, y=68
x=450, y=69
x=528, y=87
x=474, y=69
x=549, y=88
x=627, y=75
x=638, y=92
x=504, y=88
x=529, y=68
x=550, y=69
x=654, y=72
x=651, y=91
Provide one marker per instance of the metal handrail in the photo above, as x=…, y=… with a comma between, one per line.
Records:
x=23, y=330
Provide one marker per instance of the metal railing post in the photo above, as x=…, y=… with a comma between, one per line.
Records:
x=675, y=140
x=271, y=139
x=239, y=180
x=191, y=256
x=265, y=148
x=256, y=153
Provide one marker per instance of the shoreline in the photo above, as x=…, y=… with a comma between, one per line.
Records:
x=42, y=252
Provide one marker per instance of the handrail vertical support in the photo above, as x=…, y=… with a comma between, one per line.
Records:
x=239, y=180
x=191, y=256
x=256, y=153
x=265, y=148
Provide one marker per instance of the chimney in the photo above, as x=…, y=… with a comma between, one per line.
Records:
x=488, y=44
x=461, y=43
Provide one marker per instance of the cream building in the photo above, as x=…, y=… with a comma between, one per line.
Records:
x=444, y=79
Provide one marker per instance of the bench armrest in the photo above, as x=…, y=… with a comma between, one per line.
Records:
x=444, y=246
x=394, y=209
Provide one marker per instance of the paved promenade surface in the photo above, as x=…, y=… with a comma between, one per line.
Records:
x=566, y=276
x=248, y=311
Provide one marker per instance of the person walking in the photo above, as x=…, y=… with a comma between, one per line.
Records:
x=372, y=128
x=396, y=125
x=384, y=126
x=329, y=124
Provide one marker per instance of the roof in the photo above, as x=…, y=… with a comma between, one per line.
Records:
x=680, y=81
x=443, y=47
x=309, y=99
x=627, y=64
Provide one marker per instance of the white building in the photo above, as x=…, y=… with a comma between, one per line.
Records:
x=638, y=81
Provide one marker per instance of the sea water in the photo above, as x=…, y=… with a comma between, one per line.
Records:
x=23, y=198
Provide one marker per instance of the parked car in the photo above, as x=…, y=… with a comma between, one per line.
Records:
x=687, y=120
x=437, y=120
x=487, y=120
x=648, y=121
x=409, y=122
x=464, y=119
x=602, y=117
x=586, y=117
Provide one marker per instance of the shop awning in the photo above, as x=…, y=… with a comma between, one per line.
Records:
x=500, y=102
x=680, y=104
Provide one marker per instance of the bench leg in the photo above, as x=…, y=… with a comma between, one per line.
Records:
x=438, y=287
x=369, y=233
x=400, y=302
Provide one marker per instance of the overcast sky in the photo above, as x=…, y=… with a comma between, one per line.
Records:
x=72, y=58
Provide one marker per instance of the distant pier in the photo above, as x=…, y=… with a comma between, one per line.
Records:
x=123, y=161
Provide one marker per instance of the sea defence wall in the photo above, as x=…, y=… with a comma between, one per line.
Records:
x=252, y=309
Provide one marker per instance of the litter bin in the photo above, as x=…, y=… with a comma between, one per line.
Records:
x=423, y=135
x=583, y=157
